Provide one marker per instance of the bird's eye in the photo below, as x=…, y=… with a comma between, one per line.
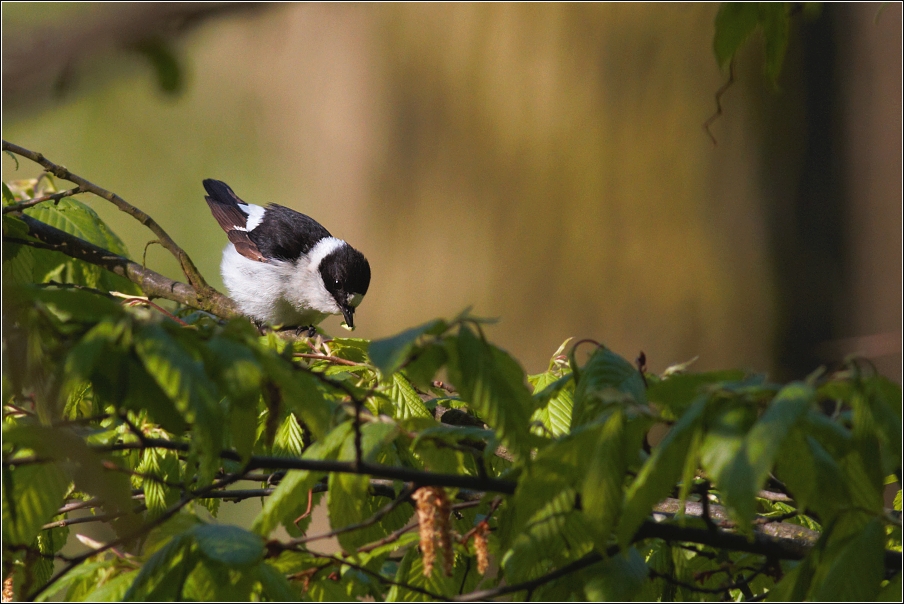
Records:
x=336, y=283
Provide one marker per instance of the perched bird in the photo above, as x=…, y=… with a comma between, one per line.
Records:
x=282, y=267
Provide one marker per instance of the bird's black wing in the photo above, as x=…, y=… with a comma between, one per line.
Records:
x=286, y=234
x=226, y=208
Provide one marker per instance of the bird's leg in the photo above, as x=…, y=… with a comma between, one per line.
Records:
x=309, y=329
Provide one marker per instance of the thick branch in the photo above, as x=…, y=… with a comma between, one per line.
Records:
x=188, y=267
x=151, y=283
x=419, y=477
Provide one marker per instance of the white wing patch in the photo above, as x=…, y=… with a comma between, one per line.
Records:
x=254, y=213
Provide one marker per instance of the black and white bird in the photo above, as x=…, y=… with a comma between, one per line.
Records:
x=282, y=267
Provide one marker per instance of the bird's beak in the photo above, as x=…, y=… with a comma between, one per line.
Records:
x=349, y=313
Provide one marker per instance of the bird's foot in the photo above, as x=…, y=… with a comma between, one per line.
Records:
x=308, y=330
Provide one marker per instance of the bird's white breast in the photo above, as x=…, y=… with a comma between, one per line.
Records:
x=280, y=292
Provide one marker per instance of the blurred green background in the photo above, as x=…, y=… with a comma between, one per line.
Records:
x=544, y=163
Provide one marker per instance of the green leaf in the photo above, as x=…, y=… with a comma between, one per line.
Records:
x=289, y=441
x=776, y=23
x=660, y=472
x=390, y=354
x=405, y=400
x=290, y=498
x=852, y=568
x=301, y=392
x=163, y=575
x=493, y=384
x=181, y=376
x=348, y=501
x=618, y=579
x=892, y=591
x=80, y=220
x=602, y=493
x=735, y=21
x=275, y=586
x=229, y=545
x=677, y=392
x=426, y=363
x=556, y=397
x=31, y=496
x=605, y=379
x=555, y=534
x=86, y=466
x=812, y=475
x=114, y=589
x=767, y=435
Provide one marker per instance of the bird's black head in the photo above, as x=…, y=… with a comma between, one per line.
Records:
x=346, y=275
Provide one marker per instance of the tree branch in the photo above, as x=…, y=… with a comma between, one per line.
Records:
x=152, y=283
x=188, y=267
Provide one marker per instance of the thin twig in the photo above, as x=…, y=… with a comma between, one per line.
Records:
x=404, y=496
x=55, y=197
x=325, y=357
x=722, y=90
x=386, y=580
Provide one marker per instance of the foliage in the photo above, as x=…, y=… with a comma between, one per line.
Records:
x=144, y=419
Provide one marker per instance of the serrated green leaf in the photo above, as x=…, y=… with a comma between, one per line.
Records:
x=605, y=379
x=181, y=376
x=290, y=498
x=617, y=579
x=766, y=437
x=493, y=384
x=348, y=501
x=677, y=392
x=405, y=400
x=114, y=589
x=301, y=392
x=87, y=468
x=73, y=584
x=555, y=534
x=229, y=545
x=289, y=441
x=411, y=572
x=555, y=398
x=602, y=493
x=76, y=218
x=851, y=569
x=163, y=575
x=275, y=586
x=660, y=472
x=735, y=22
x=36, y=493
x=390, y=354
x=426, y=363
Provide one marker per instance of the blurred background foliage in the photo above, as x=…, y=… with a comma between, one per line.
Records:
x=543, y=163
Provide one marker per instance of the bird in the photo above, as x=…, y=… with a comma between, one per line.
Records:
x=282, y=267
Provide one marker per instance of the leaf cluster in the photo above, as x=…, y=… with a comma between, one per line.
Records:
x=149, y=421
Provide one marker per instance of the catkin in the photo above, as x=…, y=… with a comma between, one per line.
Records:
x=480, y=547
x=433, y=511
